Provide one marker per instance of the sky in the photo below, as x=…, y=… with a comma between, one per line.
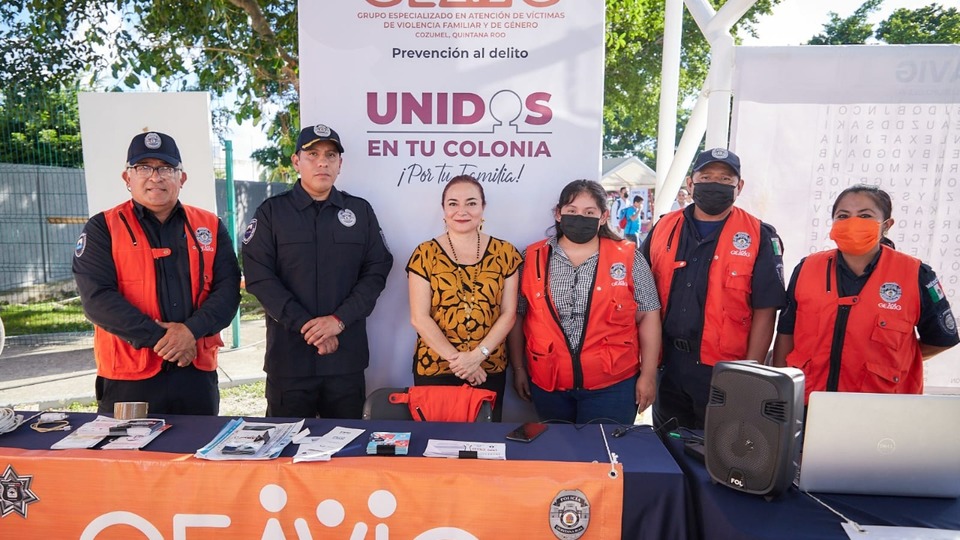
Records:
x=794, y=22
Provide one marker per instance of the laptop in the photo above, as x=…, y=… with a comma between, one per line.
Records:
x=881, y=444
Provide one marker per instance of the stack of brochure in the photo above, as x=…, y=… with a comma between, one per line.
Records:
x=240, y=439
x=119, y=434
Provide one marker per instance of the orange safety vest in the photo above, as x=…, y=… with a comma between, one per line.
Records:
x=727, y=314
x=610, y=350
x=135, y=261
x=880, y=350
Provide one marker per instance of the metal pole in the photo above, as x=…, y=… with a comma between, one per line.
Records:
x=232, y=228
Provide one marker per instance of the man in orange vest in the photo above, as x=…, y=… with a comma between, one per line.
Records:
x=159, y=280
x=719, y=273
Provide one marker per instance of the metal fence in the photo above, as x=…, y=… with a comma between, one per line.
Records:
x=43, y=208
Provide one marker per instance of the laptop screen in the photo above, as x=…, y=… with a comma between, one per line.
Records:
x=881, y=444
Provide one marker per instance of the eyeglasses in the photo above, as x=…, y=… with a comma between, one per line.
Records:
x=144, y=172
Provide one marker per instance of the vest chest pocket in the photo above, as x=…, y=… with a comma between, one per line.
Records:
x=738, y=277
x=734, y=333
x=891, y=333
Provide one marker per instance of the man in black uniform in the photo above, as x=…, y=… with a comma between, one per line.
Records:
x=316, y=259
x=719, y=273
x=159, y=280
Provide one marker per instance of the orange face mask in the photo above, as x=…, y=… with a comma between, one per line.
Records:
x=856, y=235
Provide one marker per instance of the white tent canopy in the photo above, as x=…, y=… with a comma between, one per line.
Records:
x=627, y=171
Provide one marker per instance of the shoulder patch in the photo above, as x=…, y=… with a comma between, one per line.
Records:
x=81, y=245
x=250, y=231
x=948, y=323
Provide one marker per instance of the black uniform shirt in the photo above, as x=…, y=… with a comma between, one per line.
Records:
x=304, y=259
x=688, y=293
x=936, y=326
x=96, y=275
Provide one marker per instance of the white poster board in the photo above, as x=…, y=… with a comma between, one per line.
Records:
x=109, y=120
x=510, y=91
x=812, y=121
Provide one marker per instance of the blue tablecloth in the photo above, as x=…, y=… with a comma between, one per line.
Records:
x=654, y=492
x=724, y=513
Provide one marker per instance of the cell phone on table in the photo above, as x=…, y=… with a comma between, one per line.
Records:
x=527, y=432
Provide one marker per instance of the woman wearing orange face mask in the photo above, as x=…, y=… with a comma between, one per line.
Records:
x=853, y=313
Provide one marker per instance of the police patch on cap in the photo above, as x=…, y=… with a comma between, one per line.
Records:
x=347, y=217
x=890, y=292
x=569, y=514
x=720, y=153
x=250, y=231
x=618, y=271
x=321, y=130
x=741, y=240
x=152, y=141
x=81, y=244
x=947, y=322
x=204, y=236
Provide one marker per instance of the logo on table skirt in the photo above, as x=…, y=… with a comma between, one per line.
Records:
x=569, y=514
x=15, y=493
x=618, y=271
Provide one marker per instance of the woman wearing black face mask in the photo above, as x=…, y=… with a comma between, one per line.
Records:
x=588, y=330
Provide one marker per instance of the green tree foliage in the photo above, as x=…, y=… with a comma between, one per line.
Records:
x=634, y=48
x=40, y=127
x=851, y=30
x=242, y=50
x=246, y=52
x=930, y=24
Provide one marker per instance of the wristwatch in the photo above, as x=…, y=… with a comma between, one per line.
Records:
x=485, y=351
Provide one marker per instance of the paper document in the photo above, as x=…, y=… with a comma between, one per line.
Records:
x=452, y=449
x=324, y=447
x=242, y=440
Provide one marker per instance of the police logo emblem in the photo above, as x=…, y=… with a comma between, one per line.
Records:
x=618, y=271
x=15, y=493
x=948, y=323
x=741, y=240
x=152, y=141
x=204, y=236
x=719, y=153
x=321, y=130
x=890, y=292
x=569, y=514
x=81, y=244
x=347, y=217
x=249, y=231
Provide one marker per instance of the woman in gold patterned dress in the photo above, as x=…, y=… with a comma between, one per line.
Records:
x=463, y=297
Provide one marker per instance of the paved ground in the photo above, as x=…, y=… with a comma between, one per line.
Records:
x=43, y=377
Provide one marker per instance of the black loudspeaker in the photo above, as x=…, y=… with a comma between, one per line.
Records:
x=753, y=424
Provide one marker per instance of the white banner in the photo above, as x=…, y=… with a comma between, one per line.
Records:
x=812, y=121
x=510, y=91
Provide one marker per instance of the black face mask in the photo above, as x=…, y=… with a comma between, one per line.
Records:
x=713, y=198
x=579, y=229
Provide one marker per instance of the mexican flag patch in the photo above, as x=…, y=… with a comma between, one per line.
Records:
x=777, y=247
x=935, y=290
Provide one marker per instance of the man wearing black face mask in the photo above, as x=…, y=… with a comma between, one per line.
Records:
x=719, y=274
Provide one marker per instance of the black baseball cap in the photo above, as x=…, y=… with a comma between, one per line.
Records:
x=717, y=155
x=153, y=145
x=314, y=134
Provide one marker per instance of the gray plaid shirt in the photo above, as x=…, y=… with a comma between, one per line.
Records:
x=570, y=288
